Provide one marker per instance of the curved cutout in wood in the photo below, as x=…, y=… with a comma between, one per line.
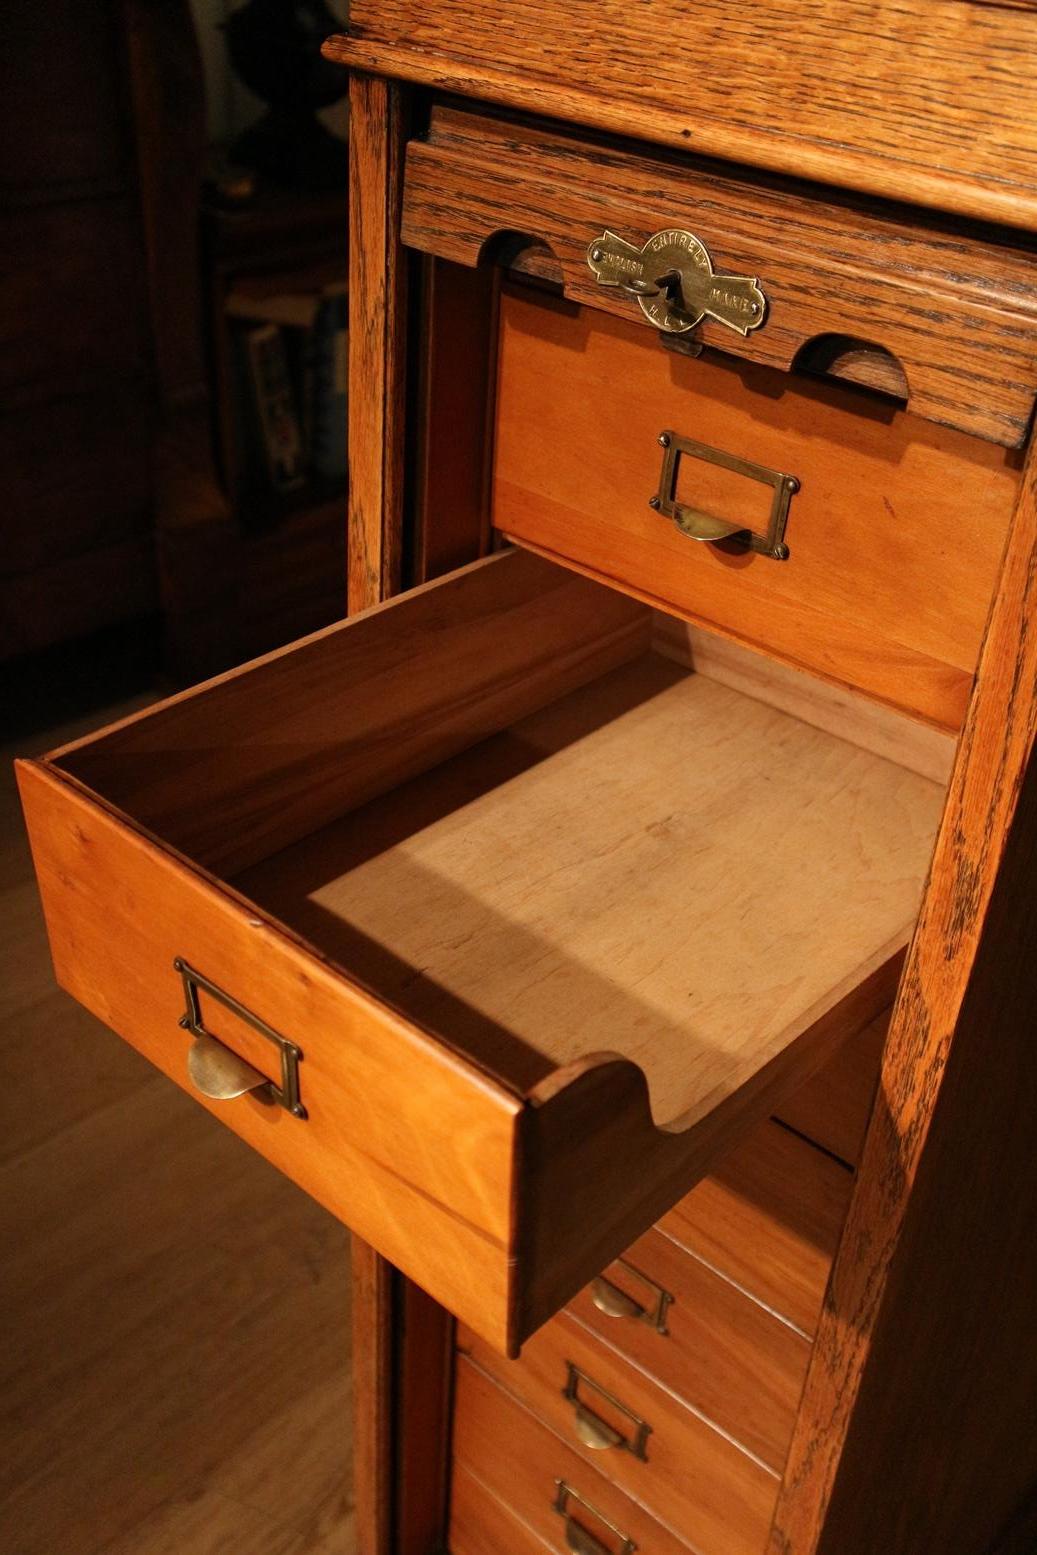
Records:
x=522, y=254
x=854, y=361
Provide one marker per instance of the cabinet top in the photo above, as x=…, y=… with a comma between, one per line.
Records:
x=930, y=101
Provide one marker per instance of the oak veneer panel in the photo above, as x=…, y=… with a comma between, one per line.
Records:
x=511, y=1494
x=723, y=1353
x=895, y=537
x=955, y=307
x=695, y=1481
x=932, y=101
x=769, y=1217
x=654, y=866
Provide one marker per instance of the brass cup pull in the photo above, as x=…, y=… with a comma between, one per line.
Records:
x=219, y=1073
x=594, y=1431
x=700, y=525
x=614, y=1302
x=577, y=1537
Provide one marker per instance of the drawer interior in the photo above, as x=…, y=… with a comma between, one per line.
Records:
x=542, y=883
x=653, y=864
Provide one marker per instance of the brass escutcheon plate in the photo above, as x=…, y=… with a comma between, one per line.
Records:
x=674, y=282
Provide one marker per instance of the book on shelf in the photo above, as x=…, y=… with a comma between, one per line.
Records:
x=292, y=349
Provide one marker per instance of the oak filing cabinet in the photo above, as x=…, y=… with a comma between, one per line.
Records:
x=630, y=931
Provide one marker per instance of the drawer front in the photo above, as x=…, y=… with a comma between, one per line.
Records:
x=669, y=1459
x=703, y=1339
x=894, y=536
x=769, y=1217
x=537, y=1495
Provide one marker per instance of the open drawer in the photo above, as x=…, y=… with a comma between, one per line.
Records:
x=482, y=918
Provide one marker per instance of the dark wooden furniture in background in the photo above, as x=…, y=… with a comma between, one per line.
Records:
x=115, y=510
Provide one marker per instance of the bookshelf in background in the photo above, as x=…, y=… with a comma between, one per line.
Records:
x=274, y=278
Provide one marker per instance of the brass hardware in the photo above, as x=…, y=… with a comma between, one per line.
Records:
x=221, y=1074
x=700, y=525
x=576, y=1536
x=608, y=1298
x=595, y=1432
x=674, y=282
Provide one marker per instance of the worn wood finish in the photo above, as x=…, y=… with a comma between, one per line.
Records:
x=956, y=308
x=931, y=101
x=517, y=1126
x=723, y=1353
x=769, y=1217
x=873, y=595
x=833, y=1108
x=377, y=309
x=497, y=1496
x=532, y=959
x=911, y=744
x=947, y=1190
x=695, y=1481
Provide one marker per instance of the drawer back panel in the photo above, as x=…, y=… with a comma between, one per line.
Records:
x=894, y=536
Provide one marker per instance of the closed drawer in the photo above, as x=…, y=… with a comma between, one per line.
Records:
x=704, y=1339
x=690, y=1477
x=769, y=1217
x=894, y=535
x=417, y=872
x=535, y=1493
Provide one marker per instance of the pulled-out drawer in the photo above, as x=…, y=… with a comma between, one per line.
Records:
x=482, y=918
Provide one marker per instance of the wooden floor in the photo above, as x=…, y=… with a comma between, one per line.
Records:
x=174, y=1367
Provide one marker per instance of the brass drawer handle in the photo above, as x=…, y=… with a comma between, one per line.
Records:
x=614, y=1302
x=700, y=525
x=215, y=1069
x=595, y=1432
x=674, y=282
x=578, y=1538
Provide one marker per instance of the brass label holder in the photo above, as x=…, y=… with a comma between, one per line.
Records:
x=215, y=1069
x=673, y=280
x=595, y=1432
x=697, y=524
x=611, y=1300
x=579, y=1539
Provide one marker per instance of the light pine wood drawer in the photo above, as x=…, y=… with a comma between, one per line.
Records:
x=517, y=1487
x=459, y=869
x=894, y=535
x=669, y=1459
x=704, y=1339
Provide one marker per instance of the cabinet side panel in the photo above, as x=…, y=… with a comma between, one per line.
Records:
x=925, y=1370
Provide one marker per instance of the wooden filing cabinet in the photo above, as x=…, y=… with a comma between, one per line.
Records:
x=628, y=930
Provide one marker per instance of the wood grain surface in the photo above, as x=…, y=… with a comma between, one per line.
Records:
x=955, y=307
x=512, y=1495
x=833, y=1108
x=769, y=1217
x=931, y=101
x=895, y=536
x=947, y=1188
x=723, y=1353
x=377, y=309
x=695, y=1481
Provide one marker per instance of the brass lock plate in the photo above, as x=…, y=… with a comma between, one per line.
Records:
x=673, y=279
